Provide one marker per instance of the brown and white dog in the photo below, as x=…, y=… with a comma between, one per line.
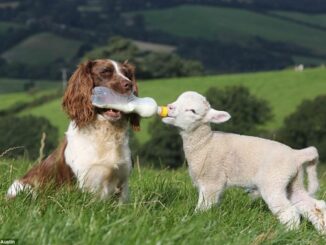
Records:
x=95, y=150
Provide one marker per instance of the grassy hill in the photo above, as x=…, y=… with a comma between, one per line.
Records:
x=160, y=211
x=284, y=90
x=42, y=48
x=239, y=26
x=8, y=85
x=6, y=26
x=314, y=19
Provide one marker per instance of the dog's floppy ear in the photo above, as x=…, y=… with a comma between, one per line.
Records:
x=134, y=119
x=77, y=97
x=215, y=116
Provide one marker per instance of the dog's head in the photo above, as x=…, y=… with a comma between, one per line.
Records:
x=108, y=73
x=191, y=110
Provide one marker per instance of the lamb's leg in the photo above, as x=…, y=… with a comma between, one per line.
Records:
x=276, y=199
x=208, y=196
x=312, y=209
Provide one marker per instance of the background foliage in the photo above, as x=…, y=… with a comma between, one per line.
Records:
x=307, y=126
x=26, y=133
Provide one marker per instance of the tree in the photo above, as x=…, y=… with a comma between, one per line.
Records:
x=26, y=132
x=148, y=64
x=164, y=149
x=247, y=111
x=307, y=126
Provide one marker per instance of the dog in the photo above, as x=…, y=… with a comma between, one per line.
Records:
x=95, y=151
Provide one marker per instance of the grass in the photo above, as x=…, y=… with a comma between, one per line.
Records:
x=315, y=19
x=160, y=211
x=284, y=90
x=230, y=24
x=10, y=99
x=5, y=25
x=42, y=48
x=9, y=85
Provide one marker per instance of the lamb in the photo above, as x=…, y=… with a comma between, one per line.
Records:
x=218, y=160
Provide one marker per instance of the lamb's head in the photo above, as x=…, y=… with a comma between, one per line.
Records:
x=191, y=110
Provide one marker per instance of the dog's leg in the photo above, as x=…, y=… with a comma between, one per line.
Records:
x=99, y=180
x=208, y=196
x=124, y=192
x=312, y=209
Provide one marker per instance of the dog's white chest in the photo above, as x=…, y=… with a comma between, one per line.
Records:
x=98, y=147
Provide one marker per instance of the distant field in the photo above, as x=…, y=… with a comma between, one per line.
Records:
x=42, y=48
x=154, y=47
x=231, y=24
x=8, y=85
x=13, y=98
x=315, y=19
x=284, y=90
x=5, y=26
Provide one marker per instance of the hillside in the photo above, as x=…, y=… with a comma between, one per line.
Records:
x=225, y=36
x=243, y=27
x=284, y=90
x=8, y=85
x=42, y=48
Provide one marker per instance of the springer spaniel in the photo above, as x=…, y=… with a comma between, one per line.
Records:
x=95, y=150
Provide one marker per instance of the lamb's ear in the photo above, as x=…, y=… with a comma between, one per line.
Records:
x=215, y=116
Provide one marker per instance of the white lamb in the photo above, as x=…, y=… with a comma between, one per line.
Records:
x=218, y=160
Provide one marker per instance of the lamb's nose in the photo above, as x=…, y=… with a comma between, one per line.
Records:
x=171, y=107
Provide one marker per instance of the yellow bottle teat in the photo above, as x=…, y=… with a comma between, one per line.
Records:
x=163, y=111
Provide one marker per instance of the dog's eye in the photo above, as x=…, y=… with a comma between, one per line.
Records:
x=127, y=73
x=106, y=70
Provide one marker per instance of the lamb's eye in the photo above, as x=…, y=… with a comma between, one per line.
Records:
x=192, y=110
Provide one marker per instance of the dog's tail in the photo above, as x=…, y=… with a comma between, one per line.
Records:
x=308, y=157
x=51, y=170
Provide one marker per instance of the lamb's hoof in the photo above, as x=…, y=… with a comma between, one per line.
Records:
x=202, y=208
x=291, y=218
x=319, y=214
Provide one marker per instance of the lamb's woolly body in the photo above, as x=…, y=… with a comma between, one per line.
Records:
x=232, y=154
x=218, y=160
x=99, y=156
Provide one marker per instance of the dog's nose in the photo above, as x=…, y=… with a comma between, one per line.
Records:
x=127, y=85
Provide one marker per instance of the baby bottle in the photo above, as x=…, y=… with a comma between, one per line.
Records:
x=104, y=97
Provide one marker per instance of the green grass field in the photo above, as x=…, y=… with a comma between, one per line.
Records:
x=160, y=211
x=42, y=48
x=5, y=26
x=315, y=19
x=9, y=85
x=10, y=99
x=231, y=24
x=284, y=90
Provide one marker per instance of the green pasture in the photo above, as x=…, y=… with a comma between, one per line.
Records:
x=315, y=19
x=5, y=26
x=9, y=87
x=160, y=211
x=42, y=48
x=231, y=24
